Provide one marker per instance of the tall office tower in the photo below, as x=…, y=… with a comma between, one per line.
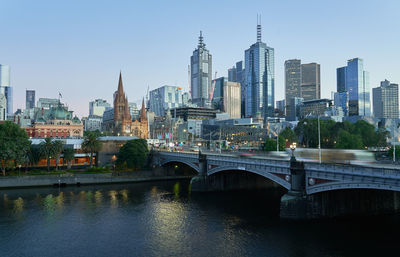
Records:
x=386, y=100
x=218, y=95
x=201, y=67
x=357, y=85
x=260, y=79
x=164, y=98
x=232, y=99
x=292, y=82
x=341, y=79
x=30, y=99
x=98, y=107
x=310, y=81
x=237, y=74
x=5, y=87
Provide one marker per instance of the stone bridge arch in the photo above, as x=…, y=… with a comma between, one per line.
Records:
x=190, y=164
x=283, y=181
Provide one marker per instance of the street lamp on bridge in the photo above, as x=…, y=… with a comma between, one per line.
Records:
x=293, y=147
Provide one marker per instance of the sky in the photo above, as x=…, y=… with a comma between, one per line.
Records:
x=79, y=47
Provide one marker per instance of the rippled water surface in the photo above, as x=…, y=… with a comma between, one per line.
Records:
x=164, y=219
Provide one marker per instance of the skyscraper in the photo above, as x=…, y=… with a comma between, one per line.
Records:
x=341, y=79
x=310, y=81
x=232, y=99
x=386, y=100
x=292, y=82
x=355, y=81
x=30, y=99
x=357, y=85
x=201, y=67
x=260, y=79
x=5, y=87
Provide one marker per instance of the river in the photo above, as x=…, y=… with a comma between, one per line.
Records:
x=165, y=219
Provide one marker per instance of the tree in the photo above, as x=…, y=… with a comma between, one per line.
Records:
x=391, y=150
x=14, y=145
x=288, y=135
x=47, y=150
x=91, y=144
x=346, y=140
x=34, y=155
x=270, y=144
x=58, y=147
x=133, y=154
x=69, y=155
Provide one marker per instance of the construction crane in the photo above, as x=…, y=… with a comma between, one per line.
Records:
x=213, y=86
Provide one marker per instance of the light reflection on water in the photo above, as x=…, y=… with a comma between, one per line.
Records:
x=164, y=219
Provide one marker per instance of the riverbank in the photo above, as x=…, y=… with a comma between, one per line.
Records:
x=76, y=179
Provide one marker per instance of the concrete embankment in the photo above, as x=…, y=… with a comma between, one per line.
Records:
x=81, y=179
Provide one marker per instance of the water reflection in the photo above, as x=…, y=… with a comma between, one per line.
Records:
x=18, y=206
x=159, y=219
x=113, y=198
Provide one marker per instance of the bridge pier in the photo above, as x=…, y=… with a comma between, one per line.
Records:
x=200, y=183
x=294, y=204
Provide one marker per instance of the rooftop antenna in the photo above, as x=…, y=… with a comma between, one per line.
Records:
x=259, y=28
x=201, y=43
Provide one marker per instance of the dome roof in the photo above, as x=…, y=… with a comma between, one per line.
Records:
x=76, y=120
x=60, y=113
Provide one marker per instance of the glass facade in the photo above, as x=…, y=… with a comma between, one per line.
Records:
x=164, y=98
x=260, y=81
x=357, y=86
x=341, y=79
x=218, y=95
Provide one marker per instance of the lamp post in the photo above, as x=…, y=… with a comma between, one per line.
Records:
x=293, y=147
x=319, y=141
x=19, y=172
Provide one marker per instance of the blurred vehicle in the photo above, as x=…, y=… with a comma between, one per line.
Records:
x=194, y=148
x=360, y=157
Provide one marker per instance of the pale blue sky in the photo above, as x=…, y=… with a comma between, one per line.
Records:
x=79, y=47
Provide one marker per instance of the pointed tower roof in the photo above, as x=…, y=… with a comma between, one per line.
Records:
x=143, y=112
x=120, y=86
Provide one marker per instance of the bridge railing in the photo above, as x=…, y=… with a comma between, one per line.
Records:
x=353, y=170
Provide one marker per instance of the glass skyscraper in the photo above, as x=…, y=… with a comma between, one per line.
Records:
x=201, y=67
x=354, y=80
x=259, y=79
x=357, y=85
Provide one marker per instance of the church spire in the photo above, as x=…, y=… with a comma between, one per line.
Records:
x=120, y=87
x=143, y=111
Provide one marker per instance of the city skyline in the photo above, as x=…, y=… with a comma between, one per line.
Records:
x=74, y=50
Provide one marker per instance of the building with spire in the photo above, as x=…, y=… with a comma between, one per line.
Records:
x=259, y=79
x=121, y=123
x=200, y=76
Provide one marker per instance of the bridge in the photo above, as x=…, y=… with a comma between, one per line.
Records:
x=302, y=180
